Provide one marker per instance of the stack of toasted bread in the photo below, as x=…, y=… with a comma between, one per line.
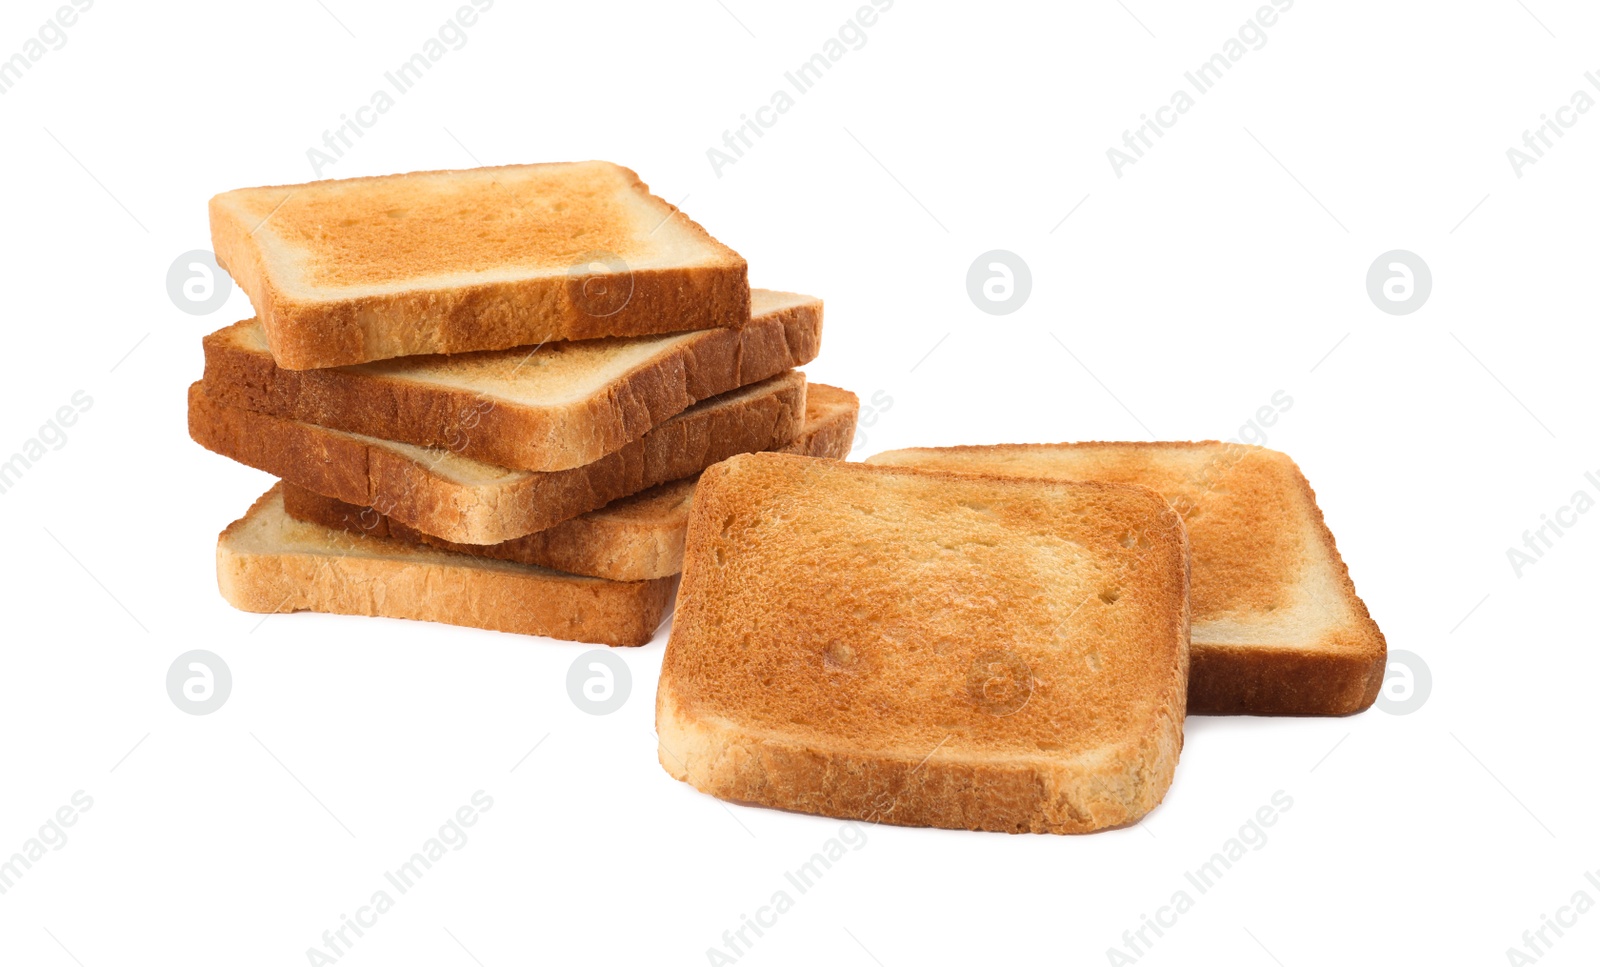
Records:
x=527, y=398
x=488, y=395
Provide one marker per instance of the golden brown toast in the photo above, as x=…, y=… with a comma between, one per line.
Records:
x=1278, y=628
x=633, y=539
x=268, y=562
x=545, y=408
x=360, y=269
x=471, y=502
x=927, y=649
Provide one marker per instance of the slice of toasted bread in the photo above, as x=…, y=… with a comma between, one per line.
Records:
x=633, y=539
x=471, y=502
x=268, y=562
x=552, y=407
x=361, y=269
x=927, y=649
x=1278, y=628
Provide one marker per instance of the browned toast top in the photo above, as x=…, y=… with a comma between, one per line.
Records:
x=890, y=612
x=1266, y=569
x=361, y=233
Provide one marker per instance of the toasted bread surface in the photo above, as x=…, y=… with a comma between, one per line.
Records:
x=470, y=502
x=550, y=407
x=361, y=269
x=633, y=539
x=927, y=649
x=270, y=562
x=1278, y=627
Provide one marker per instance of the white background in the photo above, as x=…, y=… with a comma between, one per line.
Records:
x=1226, y=265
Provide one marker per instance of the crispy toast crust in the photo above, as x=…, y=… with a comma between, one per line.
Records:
x=800, y=693
x=633, y=539
x=407, y=485
x=268, y=563
x=1016, y=795
x=312, y=327
x=1338, y=673
x=405, y=399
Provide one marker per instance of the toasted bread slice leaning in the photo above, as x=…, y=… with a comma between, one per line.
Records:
x=927, y=649
x=361, y=269
x=471, y=502
x=633, y=539
x=1278, y=628
x=550, y=407
x=268, y=562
